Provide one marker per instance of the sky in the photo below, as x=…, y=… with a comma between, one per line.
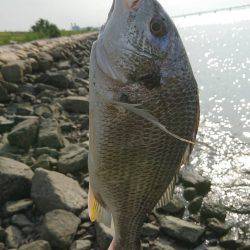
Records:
x=20, y=15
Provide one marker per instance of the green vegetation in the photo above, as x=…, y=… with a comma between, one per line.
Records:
x=42, y=29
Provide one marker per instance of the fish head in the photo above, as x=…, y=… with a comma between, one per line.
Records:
x=138, y=43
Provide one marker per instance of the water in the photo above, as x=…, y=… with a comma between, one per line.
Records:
x=219, y=50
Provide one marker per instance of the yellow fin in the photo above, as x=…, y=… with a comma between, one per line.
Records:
x=168, y=194
x=96, y=211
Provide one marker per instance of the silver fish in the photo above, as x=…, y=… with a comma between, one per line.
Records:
x=144, y=116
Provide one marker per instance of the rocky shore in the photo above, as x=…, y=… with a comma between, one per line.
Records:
x=43, y=162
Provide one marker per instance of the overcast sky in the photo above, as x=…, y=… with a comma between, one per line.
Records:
x=17, y=15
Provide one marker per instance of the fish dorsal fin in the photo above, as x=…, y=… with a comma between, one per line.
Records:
x=96, y=211
x=168, y=194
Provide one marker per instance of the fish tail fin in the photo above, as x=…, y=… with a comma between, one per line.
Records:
x=96, y=211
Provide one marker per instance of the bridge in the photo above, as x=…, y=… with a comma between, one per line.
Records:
x=213, y=11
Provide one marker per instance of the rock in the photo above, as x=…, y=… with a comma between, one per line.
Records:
x=21, y=221
x=24, y=109
x=174, y=207
x=45, y=61
x=50, y=135
x=59, y=228
x=149, y=230
x=210, y=209
x=104, y=236
x=64, y=65
x=14, y=237
x=4, y=96
x=163, y=244
x=73, y=160
x=216, y=226
x=245, y=246
x=36, y=245
x=81, y=245
x=189, y=193
x=2, y=235
x=13, y=207
x=52, y=190
x=2, y=246
x=193, y=179
x=180, y=229
x=46, y=162
x=76, y=104
x=13, y=72
x=46, y=151
x=24, y=135
x=5, y=124
x=195, y=205
x=15, y=180
x=231, y=241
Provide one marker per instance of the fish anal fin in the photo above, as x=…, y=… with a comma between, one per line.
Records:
x=168, y=194
x=97, y=211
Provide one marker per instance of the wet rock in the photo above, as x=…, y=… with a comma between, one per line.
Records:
x=5, y=125
x=13, y=207
x=76, y=104
x=21, y=221
x=195, y=205
x=13, y=72
x=149, y=230
x=81, y=245
x=104, y=236
x=216, y=226
x=180, y=229
x=59, y=228
x=174, y=207
x=52, y=190
x=24, y=135
x=15, y=180
x=189, y=193
x=36, y=245
x=4, y=96
x=74, y=159
x=14, y=237
x=210, y=209
x=50, y=135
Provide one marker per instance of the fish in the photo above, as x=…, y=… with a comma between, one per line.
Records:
x=143, y=117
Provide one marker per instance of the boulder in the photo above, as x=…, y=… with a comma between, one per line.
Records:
x=81, y=245
x=59, y=228
x=46, y=162
x=36, y=245
x=20, y=220
x=13, y=207
x=14, y=237
x=50, y=135
x=24, y=135
x=45, y=61
x=74, y=159
x=76, y=104
x=13, y=72
x=15, y=180
x=181, y=230
x=52, y=190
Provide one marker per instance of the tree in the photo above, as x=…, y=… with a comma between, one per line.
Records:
x=46, y=28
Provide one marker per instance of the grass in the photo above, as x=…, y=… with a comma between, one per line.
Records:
x=22, y=37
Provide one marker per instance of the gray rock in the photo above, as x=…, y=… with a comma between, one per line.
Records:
x=174, y=207
x=13, y=72
x=76, y=104
x=13, y=207
x=24, y=135
x=52, y=190
x=50, y=135
x=46, y=151
x=210, y=209
x=14, y=237
x=24, y=109
x=45, y=61
x=216, y=226
x=193, y=179
x=21, y=220
x=15, y=180
x=189, y=193
x=59, y=228
x=149, y=230
x=104, y=236
x=5, y=124
x=81, y=245
x=64, y=65
x=46, y=162
x=182, y=230
x=4, y=97
x=2, y=235
x=36, y=245
x=73, y=160
x=195, y=205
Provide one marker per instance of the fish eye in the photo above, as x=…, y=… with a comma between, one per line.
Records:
x=158, y=27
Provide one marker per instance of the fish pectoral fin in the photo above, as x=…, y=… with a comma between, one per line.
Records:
x=168, y=194
x=97, y=212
